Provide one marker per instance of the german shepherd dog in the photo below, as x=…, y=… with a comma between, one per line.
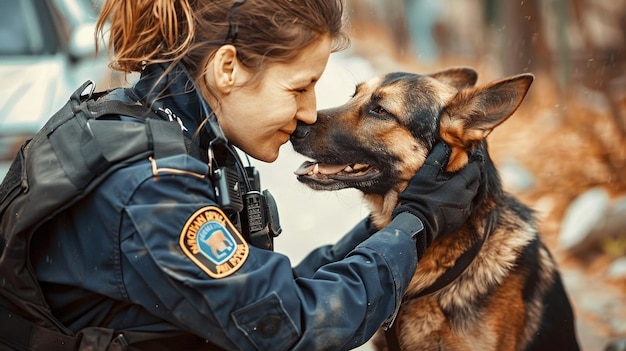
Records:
x=492, y=284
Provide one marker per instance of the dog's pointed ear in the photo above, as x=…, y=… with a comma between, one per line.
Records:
x=458, y=77
x=473, y=113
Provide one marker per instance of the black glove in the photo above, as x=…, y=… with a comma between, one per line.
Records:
x=442, y=201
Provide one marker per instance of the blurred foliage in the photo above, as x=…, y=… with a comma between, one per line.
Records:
x=573, y=40
x=615, y=247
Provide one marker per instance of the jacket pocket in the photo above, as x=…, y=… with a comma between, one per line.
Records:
x=267, y=324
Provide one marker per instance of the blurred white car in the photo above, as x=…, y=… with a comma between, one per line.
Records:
x=47, y=51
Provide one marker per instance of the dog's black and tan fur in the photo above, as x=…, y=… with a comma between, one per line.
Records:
x=510, y=297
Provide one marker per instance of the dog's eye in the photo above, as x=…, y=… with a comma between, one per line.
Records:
x=380, y=111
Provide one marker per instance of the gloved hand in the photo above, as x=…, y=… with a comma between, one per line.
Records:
x=442, y=201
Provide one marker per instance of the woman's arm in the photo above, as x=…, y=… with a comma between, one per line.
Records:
x=259, y=305
x=331, y=253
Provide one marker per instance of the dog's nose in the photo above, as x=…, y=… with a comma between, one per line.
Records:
x=302, y=131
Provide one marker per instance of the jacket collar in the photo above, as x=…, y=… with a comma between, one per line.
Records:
x=171, y=92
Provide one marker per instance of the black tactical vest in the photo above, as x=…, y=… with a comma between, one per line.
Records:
x=71, y=155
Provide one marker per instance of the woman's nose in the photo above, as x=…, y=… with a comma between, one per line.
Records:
x=307, y=112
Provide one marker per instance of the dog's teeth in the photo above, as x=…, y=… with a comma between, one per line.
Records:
x=316, y=168
x=348, y=169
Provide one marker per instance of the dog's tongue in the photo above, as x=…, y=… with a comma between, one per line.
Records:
x=322, y=168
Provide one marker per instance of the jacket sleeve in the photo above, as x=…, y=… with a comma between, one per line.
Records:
x=337, y=305
x=331, y=253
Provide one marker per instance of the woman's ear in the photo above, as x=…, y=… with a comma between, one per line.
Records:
x=225, y=69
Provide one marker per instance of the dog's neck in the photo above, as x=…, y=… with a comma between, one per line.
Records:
x=381, y=207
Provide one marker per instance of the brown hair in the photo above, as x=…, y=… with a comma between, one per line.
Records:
x=267, y=31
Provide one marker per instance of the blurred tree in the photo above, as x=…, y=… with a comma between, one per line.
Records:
x=520, y=36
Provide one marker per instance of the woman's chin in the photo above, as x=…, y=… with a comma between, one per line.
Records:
x=267, y=155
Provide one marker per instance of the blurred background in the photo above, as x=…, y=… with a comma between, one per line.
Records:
x=46, y=52
x=563, y=153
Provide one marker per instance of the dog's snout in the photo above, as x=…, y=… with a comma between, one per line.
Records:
x=302, y=131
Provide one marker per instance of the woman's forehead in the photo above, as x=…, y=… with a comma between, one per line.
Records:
x=309, y=65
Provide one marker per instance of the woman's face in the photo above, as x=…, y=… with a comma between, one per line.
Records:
x=259, y=118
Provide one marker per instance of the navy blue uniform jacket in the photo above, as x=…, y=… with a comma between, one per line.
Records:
x=117, y=259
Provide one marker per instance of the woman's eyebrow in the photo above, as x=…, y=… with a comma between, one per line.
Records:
x=304, y=80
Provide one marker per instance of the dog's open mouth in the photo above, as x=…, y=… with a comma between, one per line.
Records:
x=336, y=176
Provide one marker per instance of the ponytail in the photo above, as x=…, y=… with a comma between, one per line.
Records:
x=146, y=31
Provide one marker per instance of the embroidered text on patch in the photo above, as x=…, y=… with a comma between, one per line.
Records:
x=213, y=243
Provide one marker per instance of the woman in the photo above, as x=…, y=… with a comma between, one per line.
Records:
x=159, y=254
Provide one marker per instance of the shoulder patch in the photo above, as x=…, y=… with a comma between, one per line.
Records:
x=213, y=243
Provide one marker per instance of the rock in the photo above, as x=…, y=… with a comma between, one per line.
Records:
x=594, y=221
x=584, y=215
x=515, y=177
x=617, y=269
